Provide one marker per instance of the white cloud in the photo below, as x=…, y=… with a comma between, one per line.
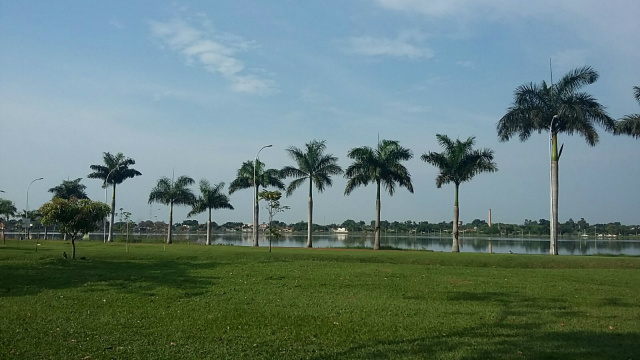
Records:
x=116, y=24
x=407, y=44
x=466, y=64
x=215, y=52
x=610, y=24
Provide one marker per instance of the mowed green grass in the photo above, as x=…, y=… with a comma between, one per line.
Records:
x=207, y=302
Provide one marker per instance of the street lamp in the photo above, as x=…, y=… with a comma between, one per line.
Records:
x=28, y=220
x=106, y=181
x=255, y=193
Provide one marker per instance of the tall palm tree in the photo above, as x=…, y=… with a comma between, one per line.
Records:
x=556, y=108
x=315, y=165
x=114, y=171
x=264, y=178
x=630, y=124
x=69, y=189
x=382, y=166
x=7, y=210
x=169, y=192
x=458, y=163
x=211, y=197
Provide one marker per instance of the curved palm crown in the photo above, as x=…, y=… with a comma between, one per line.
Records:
x=630, y=124
x=116, y=167
x=315, y=165
x=459, y=162
x=211, y=197
x=169, y=192
x=558, y=108
x=249, y=171
x=264, y=178
x=114, y=171
x=69, y=189
x=7, y=209
x=382, y=166
x=535, y=106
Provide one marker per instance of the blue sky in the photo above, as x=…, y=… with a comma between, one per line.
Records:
x=201, y=86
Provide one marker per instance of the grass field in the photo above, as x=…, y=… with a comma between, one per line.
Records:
x=205, y=302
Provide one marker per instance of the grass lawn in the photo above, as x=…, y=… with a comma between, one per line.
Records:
x=207, y=302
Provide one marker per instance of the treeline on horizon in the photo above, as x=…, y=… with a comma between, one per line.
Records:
x=475, y=227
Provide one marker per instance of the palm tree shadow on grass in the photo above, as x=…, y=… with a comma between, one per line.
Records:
x=504, y=337
x=105, y=275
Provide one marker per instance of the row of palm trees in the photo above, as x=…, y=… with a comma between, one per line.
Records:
x=555, y=108
x=176, y=192
x=381, y=166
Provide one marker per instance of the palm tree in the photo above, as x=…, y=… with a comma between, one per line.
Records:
x=211, y=198
x=264, y=178
x=69, y=189
x=556, y=108
x=382, y=166
x=7, y=210
x=114, y=171
x=458, y=163
x=630, y=124
x=169, y=192
x=314, y=165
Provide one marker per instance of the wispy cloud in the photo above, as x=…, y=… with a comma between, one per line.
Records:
x=216, y=52
x=116, y=24
x=405, y=45
x=590, y=19
x=466, y=64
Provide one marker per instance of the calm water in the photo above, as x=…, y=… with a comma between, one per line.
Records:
x=581, y=246
x=435, y=243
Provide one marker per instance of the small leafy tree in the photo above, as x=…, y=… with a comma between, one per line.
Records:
x=74, y=217
x=273, y=207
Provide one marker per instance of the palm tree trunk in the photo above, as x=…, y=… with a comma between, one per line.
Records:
x=310, y=223
x=376, y=232
x=113, y=213
x=256, y=213
x=553, y=241
x=169, y=231
x=209, y=228
x=455, y=247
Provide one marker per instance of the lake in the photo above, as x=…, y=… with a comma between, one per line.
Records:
x=580, y=246
x=434, y=242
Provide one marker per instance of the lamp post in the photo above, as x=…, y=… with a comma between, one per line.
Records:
x=255, y=195
x=28, y=219
x=106, y=182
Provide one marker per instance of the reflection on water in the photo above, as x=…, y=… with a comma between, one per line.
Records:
x=436, y=243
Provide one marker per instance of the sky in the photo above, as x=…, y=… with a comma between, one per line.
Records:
x=196, y=88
